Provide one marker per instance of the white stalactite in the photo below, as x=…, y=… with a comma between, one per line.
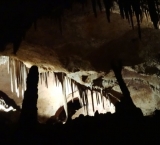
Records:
x=18, y=74
x=65, y=98
x=11, y=74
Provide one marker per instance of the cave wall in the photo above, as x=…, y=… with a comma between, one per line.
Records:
x=86, y=46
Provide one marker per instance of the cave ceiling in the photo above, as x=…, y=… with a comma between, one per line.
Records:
x=81, y=42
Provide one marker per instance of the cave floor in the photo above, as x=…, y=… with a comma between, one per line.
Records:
x=102, y=129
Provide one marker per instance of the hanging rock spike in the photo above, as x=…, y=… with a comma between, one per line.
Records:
x=46, y=81
x=64, y=96
x=17, y=71
x=96, y=96
x=86, y=99
x=11, y=74
x=40, y=77
x=92, y=99
x=72, y=89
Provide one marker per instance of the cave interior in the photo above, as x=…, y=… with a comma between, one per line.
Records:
x=80, y=72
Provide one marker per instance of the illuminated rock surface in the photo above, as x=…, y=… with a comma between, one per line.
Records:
x=77, y=54
x=86, y=48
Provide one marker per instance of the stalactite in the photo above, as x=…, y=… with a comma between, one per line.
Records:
x=54, y=78
x=94, y=7
x=126, y=8
x=92, y=100
x=146, y=13
x=99, y=5
x=83, y=100
x=21, y=75
x=102, y=98
x=157, y=7
x=86, y=99
x=64, y=97
x=25, y=76
x=97, y=97
x=15, y=77
x=121, y=7
x=72, y=89
x=153, y=12
x=59, y=76
x=43, y=74
x=108, y=5
x=80, y=93
x=101, y=94
x=46, y=80
x=40, y=77
x=11, y=74
x=8, y=64
x=138, y=12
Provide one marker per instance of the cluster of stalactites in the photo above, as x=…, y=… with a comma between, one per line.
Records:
x=60, y=78
x=140, y=8
x=18, y=74
x=97, y=95
x=66, y=83
x=129, y=8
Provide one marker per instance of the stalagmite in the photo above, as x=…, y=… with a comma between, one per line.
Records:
x=83, y=100
x=98, y=98
x=43, y=76
x=59, y=77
